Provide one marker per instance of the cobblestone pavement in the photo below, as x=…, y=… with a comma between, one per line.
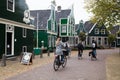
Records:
x=75, y=69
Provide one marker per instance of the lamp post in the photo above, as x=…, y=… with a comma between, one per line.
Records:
x=42, y=42
x=37, y=49
x=42, y=48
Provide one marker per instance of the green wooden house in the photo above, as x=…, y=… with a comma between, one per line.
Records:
x=51, y=23
x=115, y=31
x=45, y=26
x=79, y=28
x=66, y=24
x=96, y=33
x=16, y=35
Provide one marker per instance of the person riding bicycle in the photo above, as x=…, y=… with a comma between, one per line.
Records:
x=80, y=50
x=59, y=47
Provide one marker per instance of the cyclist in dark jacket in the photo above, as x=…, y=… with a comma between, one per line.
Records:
x=80, y=50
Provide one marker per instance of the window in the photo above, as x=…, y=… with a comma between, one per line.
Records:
x=102, y=31
x=24, y=49
x=93, y=40
x=11, y=5
x=105, y=41
x=64, y=29
x=53, y=26
x=49, y=40
x=96, y=31
x=99, y=41
x=88, y=39
x=118, y=41
x=24, y=32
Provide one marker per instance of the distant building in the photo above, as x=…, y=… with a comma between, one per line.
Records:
x=115, y=31
x=52, y=23
x=95, y=33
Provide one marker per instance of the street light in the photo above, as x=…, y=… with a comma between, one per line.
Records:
x=42, y=42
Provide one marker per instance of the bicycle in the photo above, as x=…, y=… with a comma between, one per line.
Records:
x=58, y=63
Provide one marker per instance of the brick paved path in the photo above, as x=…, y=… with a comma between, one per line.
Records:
x=75, y=69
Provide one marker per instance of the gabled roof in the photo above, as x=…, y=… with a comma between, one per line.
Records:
x=76, y=27
x=62, y=14
x=43, y=17
x=88, y=26
x=115, y=29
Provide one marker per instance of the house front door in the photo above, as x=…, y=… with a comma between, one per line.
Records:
x=9, y=40
x=9, y=43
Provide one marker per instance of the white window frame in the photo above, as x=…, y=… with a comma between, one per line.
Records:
x=12, y=5
x=24, y=48
x=24, y=32
x=102, y=31
x=96, y=31
x=53, y=26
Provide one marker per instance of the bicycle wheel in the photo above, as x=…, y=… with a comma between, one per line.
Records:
x=65, y=62
x=56, y=65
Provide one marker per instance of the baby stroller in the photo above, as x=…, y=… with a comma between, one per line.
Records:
x=92, y=55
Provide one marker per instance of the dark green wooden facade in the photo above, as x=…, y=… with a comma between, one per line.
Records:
x=2, y=39
x=12, y=26
x=21, y=41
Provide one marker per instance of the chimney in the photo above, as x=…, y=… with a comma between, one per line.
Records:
x=59, y=9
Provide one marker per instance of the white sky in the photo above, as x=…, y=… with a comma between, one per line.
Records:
x=79, y=11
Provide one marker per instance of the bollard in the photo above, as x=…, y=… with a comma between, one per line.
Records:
x=41, y=55
x=3, y=61
x=48, y=52
x=33, y=55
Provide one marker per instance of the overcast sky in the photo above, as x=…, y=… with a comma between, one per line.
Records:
x=79, y=12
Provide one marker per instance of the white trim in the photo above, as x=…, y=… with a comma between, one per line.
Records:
x=93, y=27
x=68, y=25
x=10, y=31
x=13, y=6
x=49, y=41
x=18, y=24
x=51, y=33
x=24, y=32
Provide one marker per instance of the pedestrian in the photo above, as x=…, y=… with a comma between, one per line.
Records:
x=59, y=47
x=94, y=46
x=80, y=50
